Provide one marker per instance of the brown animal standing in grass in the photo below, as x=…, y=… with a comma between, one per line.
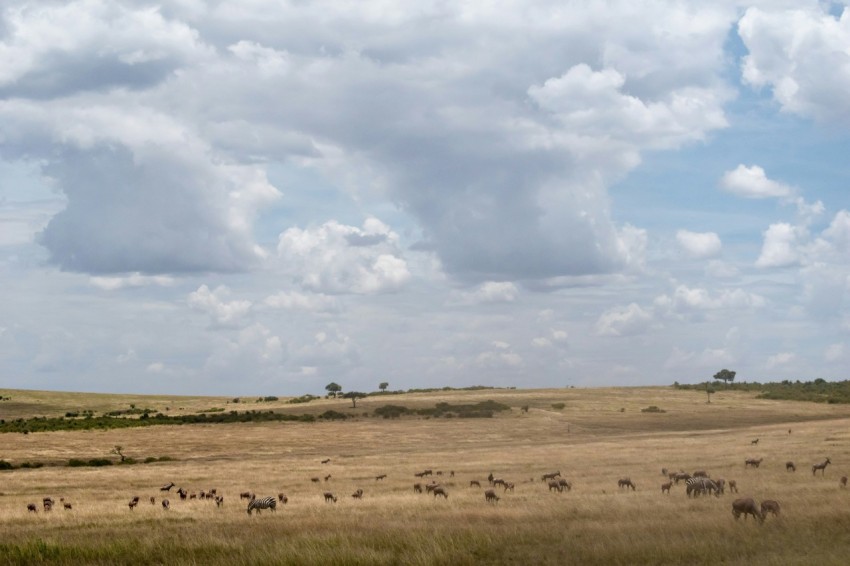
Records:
x=563, y=483
x=132, y=505
x=381, y=477
x=417, y=488
x=246, y=495
x=219, y=500
x=790, y=467
x=32, y=508
x=474, y=483
x=508, y=485
x=843, y=481
x=627, y=483
x=67, y=506
x=756, y=441
x=746, y=506
x=490, y=496
x=326, y=461
x=666, y=487
x=315, y=480
x=153, y=500
x=551, y=476
x=440, y=491
x=769, y=506
x=753, y=462
x=431, y=487
x=681, y=476
x=282, y=498
x=330, y=497
x=165, y=504
x=822, y=467
x=721, y=485
x=357, y=494
x=733, y=486
x=327, y=477
x=167, y=487
x=700, y=474
x=553, y=484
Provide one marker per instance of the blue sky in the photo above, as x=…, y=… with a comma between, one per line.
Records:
x=261, y=197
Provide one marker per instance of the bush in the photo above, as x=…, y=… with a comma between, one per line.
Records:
x=98, y=462
x=333, y=416
x=558, y=406
x=76, y=463
x=4, y=465
x=31, y=465
x=652, y=409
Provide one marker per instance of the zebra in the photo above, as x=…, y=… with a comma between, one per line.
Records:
x=695, y=486
x=262, y=503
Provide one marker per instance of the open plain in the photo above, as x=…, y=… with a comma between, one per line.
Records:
x=598, y=437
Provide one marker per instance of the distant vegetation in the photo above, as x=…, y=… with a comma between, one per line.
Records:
x=818, y=391
x=484, y=409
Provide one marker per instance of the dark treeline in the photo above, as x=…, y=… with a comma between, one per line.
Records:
x=817, y=391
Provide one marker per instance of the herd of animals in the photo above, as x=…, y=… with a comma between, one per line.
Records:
x=696, y=484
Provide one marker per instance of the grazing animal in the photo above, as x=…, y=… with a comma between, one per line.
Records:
x=381, y=477
x=843, y=481
x=439, y=472
x=627, y=483
x=752, y=462
x=746, y=506
x=440, y=491
x=167, y=487
x=165, y=504
x=756, y=441
x=451, y=473
x=219, y=500
x=47, y=502
x=153, y=500
x=509, y=485
x=499, y=481
x=474, y=483
x=262, y=503
x=563, y=483
x=822, y=467
x=550, y=476
x=697, y=486
x=417, y=488
x=663, y=471
x=327, y=477
x=326, y=461
x=330, y=497
x=733, y=486
x=315, y=480
x=721, y=485
x=681, y=476
x=132, y=505
x=182, y=493
x=32, y=508
x=431, y=487
x=790, y=467
x=553, y=484
x=700, y=474
x=490, y=496
x=427, y=472
x=770, y=506
x=419, y=474
x=67, y=506
x=666, y=487
x=246, y=495
x=193, y=496
x=490, y=478
x=357, y=494
x=282, y=498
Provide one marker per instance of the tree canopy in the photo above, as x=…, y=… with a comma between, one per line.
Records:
x=333, y=388
x=725, y=375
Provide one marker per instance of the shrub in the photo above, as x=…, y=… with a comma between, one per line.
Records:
x=652, y=409
x=4, y=465
x=558, y=406
x=333, y=416
x=31, y=465
x=76, y=463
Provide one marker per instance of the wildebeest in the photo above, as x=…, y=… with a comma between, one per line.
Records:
x=721, y=485
x=32, y=508
x=327, y=477
x=357, y=494
x=700, y=474
x=67, y=506
x=733, y=486
x=490, y=496
x=431, y=487
x=246, y=495
x=153, y=500
x=330, y=497
x=553, y=484
x=746, y=506
x=550, y=476
x=681, y=476
x=165, y=504
x=219, y=500
x=843, y=481
x=769, y=506
x=822, y=467
x=563, y=483
x=167, y=487
x=474, y=483
x=509, y=485
x=752, y=462
x=417, y=488
x=790, y=467
x=439, y=490
x=381, y=477
x=315, y=479
x=627, y=483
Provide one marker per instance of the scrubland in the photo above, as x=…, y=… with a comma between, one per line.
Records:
x=598, y=437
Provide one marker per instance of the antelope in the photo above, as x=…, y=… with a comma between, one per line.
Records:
x=440, y=491
x=431, y=487
x=561, y=482
x=551, y=476
x=326, y=461
x=756, y=441
x=746, y=506
x=843, y=481
x=627, y=483
x=153, y=500
x=330, y=497
x=381, y=477
x=666, y=487
x=219, y=500
x=315, y=480
x=490, y=496
x=357, y=494
x=553, y=484
x=681, y=476
x=474, y=483
x=167, y=487
x=417, y=488
x=132, y=504
x=496, y=482
x=182, y=493
x=32, y=508
x=822, y=467
x=282, y=498
x=700, y=474
x=769, y=506
x=165, y=504
x=733, y=486
x=246, y=495
x=327, y=477
x=752, y=462
x=66, y=506
x=508, y=485
x=790, y=467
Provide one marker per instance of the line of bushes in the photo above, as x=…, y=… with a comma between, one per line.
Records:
x=78, y=463
x=817, y=391
x=484, y=409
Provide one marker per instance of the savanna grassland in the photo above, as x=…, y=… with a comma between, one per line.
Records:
x=598, y=437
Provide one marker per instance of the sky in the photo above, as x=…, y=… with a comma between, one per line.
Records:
x=260, y=197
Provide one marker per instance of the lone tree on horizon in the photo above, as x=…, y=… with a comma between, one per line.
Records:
x=725, y=375
x=383, y=386
x=354, y=396
x=333, y=388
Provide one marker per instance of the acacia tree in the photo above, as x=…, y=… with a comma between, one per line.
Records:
x=725, y=375
x=119, y=450
x=709, y=390
x=333, y=388
x=354, y=396
x=383, y=386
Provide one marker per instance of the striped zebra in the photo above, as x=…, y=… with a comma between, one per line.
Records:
x=262, y=503
x=698, y=485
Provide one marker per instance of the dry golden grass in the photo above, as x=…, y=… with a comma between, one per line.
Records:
x=598, y=437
